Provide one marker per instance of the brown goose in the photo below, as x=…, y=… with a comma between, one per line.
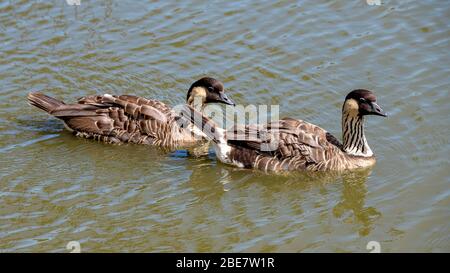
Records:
x=131, y=119
x=290, y=144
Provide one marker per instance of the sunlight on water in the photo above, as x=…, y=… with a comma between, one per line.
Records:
x=305, y=57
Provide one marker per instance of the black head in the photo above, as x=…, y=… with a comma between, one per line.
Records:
x=209, y=90
x=364, y=101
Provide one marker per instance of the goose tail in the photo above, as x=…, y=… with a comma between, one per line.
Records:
x=44, y=102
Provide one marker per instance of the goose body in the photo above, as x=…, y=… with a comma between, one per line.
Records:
x=290, y=144
x=132, y=119
x=299, y=146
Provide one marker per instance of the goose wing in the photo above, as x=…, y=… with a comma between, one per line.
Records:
x=121, y=118
x=286, y=138
x=133, y=106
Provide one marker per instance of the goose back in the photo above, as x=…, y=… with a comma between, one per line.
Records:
x=289, y=144
x=119, y=119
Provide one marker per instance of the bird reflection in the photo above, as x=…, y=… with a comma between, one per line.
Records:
x=212, y=180
x=353, y=198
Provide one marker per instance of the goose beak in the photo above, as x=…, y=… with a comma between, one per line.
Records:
x=223, y=98
x=376, y=110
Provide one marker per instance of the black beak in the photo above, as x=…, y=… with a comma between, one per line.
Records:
x=223, y=98
x=376, y=110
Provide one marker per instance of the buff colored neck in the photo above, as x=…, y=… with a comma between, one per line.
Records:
x=354, y=140
x=197, y=101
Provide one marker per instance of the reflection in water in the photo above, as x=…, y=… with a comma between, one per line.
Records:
x=353, y=201
x=56, y=189
x=348, y=188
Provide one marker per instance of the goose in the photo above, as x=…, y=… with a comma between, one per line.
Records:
x=291, y=144
x=132, y=119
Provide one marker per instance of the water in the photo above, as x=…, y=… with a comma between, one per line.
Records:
x=306, y=56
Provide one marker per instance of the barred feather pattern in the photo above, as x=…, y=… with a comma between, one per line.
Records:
x=355, y=142
x=299, y=145
x=284, y=145
x=119, y=119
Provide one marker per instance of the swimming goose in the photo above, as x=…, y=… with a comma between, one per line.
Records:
x=132, y=119
x=290, y=144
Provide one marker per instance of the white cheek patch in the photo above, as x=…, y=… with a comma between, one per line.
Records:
x=351, y=105
x=198, y=96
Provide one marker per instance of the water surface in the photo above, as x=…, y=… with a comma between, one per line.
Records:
x=304, y=56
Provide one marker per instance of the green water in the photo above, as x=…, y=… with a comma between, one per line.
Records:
x=304, y=56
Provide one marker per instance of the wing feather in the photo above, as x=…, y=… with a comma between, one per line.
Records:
x=301, y=141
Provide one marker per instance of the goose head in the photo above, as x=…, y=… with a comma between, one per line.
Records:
x=362, y=102
x=207, y=90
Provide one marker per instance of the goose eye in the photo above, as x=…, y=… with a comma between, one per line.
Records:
x=210, y=88
x=362, y=99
